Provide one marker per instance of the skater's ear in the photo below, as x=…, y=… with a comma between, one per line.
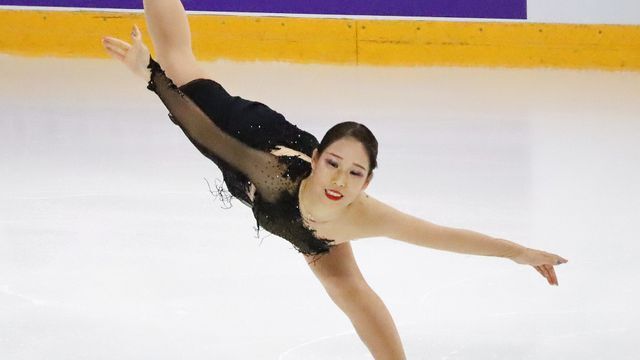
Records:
x=314, y=158
x=366, y=183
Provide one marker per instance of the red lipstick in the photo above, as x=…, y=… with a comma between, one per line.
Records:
x=331, y=195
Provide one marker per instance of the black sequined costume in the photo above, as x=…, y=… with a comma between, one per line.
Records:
x=238, y=135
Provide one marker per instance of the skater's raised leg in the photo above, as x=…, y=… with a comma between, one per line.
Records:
x=171, y=37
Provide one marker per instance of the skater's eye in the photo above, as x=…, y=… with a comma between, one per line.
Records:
x=335, y=165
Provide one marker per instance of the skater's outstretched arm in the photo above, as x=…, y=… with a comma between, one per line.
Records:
x=262, y=169
x=390, y=222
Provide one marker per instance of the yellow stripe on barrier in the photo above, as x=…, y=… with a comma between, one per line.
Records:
x=338, y=41
x=499, y=44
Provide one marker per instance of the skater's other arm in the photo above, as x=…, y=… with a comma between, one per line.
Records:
x=263, y=169
x=390, y=222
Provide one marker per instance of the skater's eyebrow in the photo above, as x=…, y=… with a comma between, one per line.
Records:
x=356, y=164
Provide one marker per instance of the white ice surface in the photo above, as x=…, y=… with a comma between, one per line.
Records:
x=111, y=246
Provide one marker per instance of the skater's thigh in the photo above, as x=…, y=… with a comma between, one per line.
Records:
x=182, y=68
x=337, y=269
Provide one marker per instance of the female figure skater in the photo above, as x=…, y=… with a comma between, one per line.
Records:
x=309, y=193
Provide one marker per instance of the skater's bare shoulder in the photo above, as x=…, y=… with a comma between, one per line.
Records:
x=376, y=218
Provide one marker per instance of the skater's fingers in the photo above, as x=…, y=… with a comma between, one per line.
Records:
x=135, y=33
x=116, y=43
x=543, y=273
x=548, y=275
x=115, y=52
x=552, y=273
x=116, y=49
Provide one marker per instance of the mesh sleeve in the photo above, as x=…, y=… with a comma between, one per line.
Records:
x=261, y=168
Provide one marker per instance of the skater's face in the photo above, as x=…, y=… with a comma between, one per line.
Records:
x=342, y=167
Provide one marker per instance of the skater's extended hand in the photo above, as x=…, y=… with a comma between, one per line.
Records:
x=542, y=261
x=135, y=56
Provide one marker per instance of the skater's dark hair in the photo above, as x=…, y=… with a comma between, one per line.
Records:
x=356, y=131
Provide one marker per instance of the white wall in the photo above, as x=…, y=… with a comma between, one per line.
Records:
x=585, y=11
